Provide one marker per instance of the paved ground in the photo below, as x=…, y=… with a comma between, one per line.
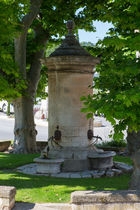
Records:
x=44, y=206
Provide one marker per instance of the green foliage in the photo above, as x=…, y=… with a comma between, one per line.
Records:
x=10, y=87
x=121, y=143
x=117, y=89
x=118, y=95
x=50, y=21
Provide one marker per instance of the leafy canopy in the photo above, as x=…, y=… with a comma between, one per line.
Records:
x=11, y=83
x=51, y=18
x=117, y=88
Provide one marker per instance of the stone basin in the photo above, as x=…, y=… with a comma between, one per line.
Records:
x=101, y=160
x=48, y=166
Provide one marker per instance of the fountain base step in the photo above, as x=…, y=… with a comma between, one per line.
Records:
x=81, y=159
x=75, y=165
x=48, y=166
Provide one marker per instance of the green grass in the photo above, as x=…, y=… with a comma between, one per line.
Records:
x=47, y=189
x=124, y=159
x=10, y=161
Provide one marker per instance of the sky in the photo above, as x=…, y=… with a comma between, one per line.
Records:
x=101, y=29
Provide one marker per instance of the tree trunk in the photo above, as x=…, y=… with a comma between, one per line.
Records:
x=135, y=178
x=24, y=130
x=133, y=140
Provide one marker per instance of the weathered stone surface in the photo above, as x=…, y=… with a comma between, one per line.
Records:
x=28, y=169
x=73, y=165
x=110, y=206
x=75, y=175
x=7, y=191
x=104, y=197
x=72, y=76
x=7, y=197
x=48, y=166
x=70, y=45
x=32, y=169
x=61, y=175
x=110, y=173
x=117, y=171
x=125, y=168
x=101, y=160
x=97, y=173
x=86, y=174
x=91, y=200
x=70, y=68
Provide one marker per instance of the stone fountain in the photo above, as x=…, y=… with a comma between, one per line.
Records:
x=70, y=147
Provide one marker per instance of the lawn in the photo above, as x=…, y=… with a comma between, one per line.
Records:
x=46, y=189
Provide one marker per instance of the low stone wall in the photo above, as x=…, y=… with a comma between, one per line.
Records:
x=105, y=200
x=91, y=200
x=7, y=197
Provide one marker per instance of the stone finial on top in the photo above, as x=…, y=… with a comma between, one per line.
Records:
x=70, y=26
x=70, y=45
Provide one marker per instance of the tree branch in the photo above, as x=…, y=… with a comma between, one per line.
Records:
x=41, y=39
x=33, y=11
x=20, y=42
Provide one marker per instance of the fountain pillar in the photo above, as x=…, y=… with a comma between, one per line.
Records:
x=70, y=72
x=68, y=80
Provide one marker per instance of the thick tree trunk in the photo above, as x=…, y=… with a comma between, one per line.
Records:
x=24, y=130
x=25, y=133
x=135, y=179
x=133, y=140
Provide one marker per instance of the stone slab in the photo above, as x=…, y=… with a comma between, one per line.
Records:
x=104, y=197
x=7, y=197
x=110, y=206
x=124, y=167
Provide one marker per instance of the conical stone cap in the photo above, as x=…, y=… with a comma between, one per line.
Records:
x=70, y=45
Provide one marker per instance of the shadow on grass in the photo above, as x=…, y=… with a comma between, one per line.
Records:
x=22, y=181
x=23, y=206
x=33, y=188
x=11, y=161
x=47, y=189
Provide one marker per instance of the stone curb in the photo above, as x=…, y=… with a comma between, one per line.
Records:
x=120, y=168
